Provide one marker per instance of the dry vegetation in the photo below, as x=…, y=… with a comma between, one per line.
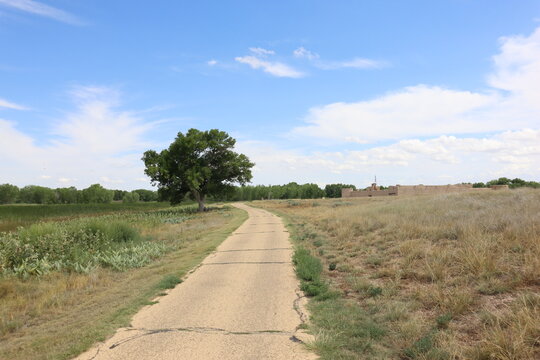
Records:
x=62, y=313
x=452, y=276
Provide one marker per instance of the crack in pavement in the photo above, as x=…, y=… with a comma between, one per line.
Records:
x=202, y=330
x=212, y=330
x=296, y=306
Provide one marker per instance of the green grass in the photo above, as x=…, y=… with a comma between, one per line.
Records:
x=308, y=267
x=344, y=330
x=169, y=282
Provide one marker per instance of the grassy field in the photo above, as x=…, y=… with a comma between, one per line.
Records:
x=436, y=277
x=13, y=216
x=68, y=284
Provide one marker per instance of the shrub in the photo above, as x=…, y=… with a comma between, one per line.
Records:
x=313, y=288
x=443, y=321
x=131, y=197
x=169, y=282
x=78, y=245
x=308, y=267
x=374, y=291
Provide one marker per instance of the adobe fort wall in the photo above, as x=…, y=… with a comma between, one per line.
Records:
x=405, y=190
x=433, y=189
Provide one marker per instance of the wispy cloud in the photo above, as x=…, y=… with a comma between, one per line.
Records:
x=95, y=142
x=356, y=63
x=258, y=61
x=41, y=9
x=302, y=52
x=9, y=105
x=261, y=52
x=211, y=62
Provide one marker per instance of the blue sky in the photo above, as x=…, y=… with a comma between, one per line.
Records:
x=429, y=92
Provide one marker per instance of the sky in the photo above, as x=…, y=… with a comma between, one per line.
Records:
x=413, y=92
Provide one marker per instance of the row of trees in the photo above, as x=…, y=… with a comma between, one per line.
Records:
x=33, y=194
x=96, y=193
x=291, y=190
x=512, y=183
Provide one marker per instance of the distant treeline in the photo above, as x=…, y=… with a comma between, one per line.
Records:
x=32, y=194
x=94, y=194
x=289, y=191
x=512, y=183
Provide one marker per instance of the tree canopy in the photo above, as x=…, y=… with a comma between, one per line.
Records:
x=512, y=183
x=334, y=190
x=198, y=163
x=8, y=193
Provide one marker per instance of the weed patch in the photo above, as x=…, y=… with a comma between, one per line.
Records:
x=169, y=282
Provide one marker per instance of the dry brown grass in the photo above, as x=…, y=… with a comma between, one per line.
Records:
x=60, y=315
x=460, y=270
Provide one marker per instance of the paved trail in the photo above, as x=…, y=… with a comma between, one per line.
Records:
x=241, y=303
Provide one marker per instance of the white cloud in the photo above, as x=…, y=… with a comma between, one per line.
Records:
x=362, y=63
x=517, y=68
x=211, y=62
x=356, y=63
x=441, y=160
x=94, y=143
x=424, y=110
x=271, y=67
x=98, y=127
x=259, y=59
x=302, y=52
x=108, y=180
x=414, y=111
x=261, y=52
x=38, y=8
x=10, y=105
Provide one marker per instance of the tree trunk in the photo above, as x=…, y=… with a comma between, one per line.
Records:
x=200, y=200
x=201, y=205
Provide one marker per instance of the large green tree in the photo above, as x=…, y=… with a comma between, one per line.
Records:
x=96, y=194
x=334, y=190
x=8, y=193
x=199, y=163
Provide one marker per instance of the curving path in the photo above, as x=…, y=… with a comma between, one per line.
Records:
x=242, y=302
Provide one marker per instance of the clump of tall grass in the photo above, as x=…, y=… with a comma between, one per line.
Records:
x=78, y=245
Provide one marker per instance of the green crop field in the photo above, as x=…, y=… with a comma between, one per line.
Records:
x=13, y=216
